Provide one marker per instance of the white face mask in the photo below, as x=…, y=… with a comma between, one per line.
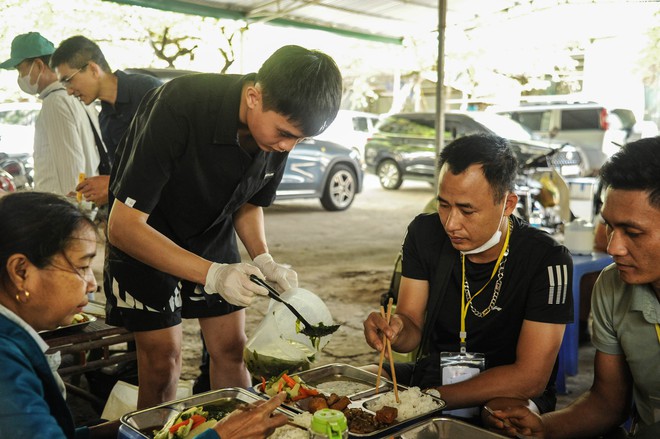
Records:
x=493, y=241
x=26, y=86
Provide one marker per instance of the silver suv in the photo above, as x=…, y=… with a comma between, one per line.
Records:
x=598, y=129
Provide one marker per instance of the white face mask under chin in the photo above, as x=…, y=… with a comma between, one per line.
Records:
x=492, y=242
x=26, y=86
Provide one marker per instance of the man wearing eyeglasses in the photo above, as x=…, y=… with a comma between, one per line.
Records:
x=83, y=70
x=64, y=143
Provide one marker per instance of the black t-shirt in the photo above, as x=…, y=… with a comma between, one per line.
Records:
x=115, y=119
x=181, y=163
x=536, y=286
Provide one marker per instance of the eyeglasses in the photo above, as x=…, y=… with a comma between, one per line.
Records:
x=67, y=81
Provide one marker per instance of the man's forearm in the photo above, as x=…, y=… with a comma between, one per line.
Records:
x=587, y=416
x=147, y=245
x=410, y=336
x=249, y=226
x=507, y=381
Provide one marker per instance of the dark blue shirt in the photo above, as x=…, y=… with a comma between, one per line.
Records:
x=115, y=119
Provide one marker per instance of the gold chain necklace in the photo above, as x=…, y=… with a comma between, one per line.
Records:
x=496, y=290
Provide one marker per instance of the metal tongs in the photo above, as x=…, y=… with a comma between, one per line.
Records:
x=312, y=331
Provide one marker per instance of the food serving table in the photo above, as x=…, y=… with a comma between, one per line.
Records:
x=79, y=341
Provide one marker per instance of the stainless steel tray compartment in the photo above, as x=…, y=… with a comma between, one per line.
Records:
x=140, y=420
x=394, y=430
x=345, y=372
x=447, y=428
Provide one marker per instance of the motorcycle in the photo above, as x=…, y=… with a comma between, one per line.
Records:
x=543, y=194
x=20, y=167
x=6, y=182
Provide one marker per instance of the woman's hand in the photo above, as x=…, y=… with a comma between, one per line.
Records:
x=257, y=421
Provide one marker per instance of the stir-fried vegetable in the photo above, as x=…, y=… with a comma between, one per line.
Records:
x=79, y=318
x=181, y=427
x=294, y=387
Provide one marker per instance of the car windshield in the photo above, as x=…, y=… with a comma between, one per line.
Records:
x=409, y=125
x=502, y=126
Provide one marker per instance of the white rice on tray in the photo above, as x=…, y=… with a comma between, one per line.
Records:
x=304, y=420
x=413, y=403
x=289, y=432
x=342, y=387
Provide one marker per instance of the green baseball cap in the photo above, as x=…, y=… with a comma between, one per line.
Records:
x=25, y=46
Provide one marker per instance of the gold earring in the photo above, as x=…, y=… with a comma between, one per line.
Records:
x=27, y=297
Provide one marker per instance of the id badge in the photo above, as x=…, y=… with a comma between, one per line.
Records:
x=457, y=367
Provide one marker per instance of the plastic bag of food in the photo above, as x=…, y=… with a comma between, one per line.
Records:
x=277, y=344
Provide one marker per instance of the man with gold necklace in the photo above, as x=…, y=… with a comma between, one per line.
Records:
x=484, y=297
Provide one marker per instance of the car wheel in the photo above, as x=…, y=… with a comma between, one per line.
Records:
x=340, y=188
x=389, y=175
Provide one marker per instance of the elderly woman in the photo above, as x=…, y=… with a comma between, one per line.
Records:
x=46, y=248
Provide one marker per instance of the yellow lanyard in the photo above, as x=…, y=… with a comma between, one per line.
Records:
x=657, y=331
x=464, y=305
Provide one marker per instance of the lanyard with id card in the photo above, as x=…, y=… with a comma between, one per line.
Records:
x=457, y=367
x=460, y=366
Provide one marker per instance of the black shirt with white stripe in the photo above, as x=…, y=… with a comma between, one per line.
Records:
x=536, y=286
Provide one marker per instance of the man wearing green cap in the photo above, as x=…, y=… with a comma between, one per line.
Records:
x=64, y=143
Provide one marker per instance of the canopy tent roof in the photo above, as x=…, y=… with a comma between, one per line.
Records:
x=379, y=20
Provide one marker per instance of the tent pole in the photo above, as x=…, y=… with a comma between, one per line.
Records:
x=440, y=89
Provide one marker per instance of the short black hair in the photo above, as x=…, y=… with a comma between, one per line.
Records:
x=636, y=167
x=38, y=225
x=303, y=85
x=493, y=152
x=77, y=51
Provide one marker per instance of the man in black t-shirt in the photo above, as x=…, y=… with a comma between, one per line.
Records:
x=483, y=297
x=202, y=157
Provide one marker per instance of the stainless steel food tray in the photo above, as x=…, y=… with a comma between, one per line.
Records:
x=339, y=371
x=344, y=372
x=446, y=428
x=394, y=430
x=135, y=423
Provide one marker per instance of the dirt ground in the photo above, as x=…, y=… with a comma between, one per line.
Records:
x=346, y=258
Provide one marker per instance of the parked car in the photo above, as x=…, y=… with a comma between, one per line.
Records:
x=351, y=128
x=404, y=145
x=325, y=170
x=597, y=129
x=17, y=121
x=162, y=74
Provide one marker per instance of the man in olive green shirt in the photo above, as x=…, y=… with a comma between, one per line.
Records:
x=626, y=312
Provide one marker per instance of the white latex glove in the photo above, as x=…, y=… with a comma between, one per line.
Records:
x=285, y=277
x=232, y=282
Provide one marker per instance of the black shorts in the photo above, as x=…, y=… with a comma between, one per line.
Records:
x=141, y=298
x=428, y=373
